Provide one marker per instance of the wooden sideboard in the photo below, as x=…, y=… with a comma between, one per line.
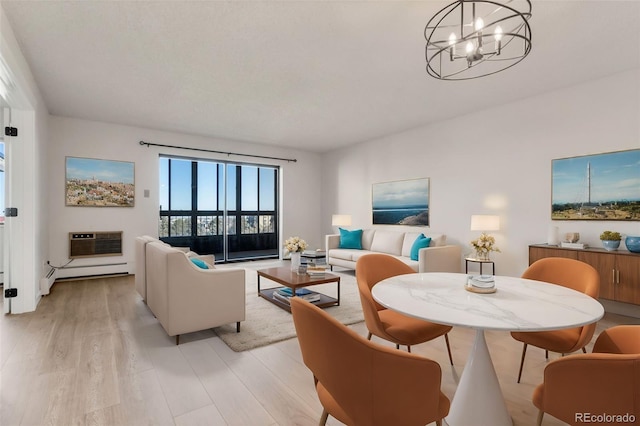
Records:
x=619, y=270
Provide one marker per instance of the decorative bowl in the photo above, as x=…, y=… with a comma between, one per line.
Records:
x=572, y=237
x=633, y=244
x=611, y=245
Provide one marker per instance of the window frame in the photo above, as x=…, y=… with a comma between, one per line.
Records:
x=220, y=214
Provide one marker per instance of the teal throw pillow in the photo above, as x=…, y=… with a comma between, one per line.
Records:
x=200, y=263
x=420, y=242
x=350, y=239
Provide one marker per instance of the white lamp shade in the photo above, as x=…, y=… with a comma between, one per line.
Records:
x=341, y=220
x=485, y=222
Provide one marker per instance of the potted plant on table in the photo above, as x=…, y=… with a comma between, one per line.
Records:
x=610, y=240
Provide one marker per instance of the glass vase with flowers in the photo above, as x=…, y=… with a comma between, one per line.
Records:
x=295, y=246
x=483, y=245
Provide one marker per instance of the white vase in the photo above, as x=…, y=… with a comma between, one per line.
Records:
x=295, y=261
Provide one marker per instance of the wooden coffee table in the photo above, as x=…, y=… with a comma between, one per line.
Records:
x=287, y=278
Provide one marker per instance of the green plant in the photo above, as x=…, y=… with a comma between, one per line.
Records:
x=610, y=236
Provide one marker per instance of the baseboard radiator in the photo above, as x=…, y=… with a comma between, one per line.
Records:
x=47, y=281
x=92, y=271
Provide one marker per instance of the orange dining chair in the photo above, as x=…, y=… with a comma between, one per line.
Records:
x=386, y=323
x=362, y=383
x=577, y=388
x=569, y=273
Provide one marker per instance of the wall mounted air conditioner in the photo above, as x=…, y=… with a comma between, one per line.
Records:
x=95, y=244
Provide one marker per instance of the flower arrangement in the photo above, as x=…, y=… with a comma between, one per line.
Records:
x=484, y=244
x=295, y=244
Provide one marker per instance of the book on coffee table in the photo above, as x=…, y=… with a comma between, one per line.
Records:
x=286, y=291
x=311, y=297
x=316, y=271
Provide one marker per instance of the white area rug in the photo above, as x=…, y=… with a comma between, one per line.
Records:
x=266, y=323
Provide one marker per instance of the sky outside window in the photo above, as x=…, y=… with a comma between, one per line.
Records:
x=249, y=188
x=211, y=186
x=180, y=184
x=207, y=186
x=267, y=189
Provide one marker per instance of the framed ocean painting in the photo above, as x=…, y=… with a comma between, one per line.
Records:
x=403, y=202
x=99, y=183
x=596, y=187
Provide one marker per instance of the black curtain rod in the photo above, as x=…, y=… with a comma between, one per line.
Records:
x=289, y=160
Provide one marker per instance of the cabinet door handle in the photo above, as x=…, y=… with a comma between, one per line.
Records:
x=613, y=276
x=618, y=276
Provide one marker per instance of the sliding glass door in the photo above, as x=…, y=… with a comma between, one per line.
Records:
x=226, y=209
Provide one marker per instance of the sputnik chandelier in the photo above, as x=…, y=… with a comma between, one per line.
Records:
x=475, y=38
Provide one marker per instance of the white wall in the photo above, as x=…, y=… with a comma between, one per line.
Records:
x=301, y=211
x=495, y=161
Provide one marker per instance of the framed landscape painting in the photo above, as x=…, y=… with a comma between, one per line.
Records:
x=404, y=202
x=596, y=187
x=99, y=183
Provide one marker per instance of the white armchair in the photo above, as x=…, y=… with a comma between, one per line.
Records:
x=186, y=298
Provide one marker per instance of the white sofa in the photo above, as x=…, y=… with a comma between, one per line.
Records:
x=140, y=255
x=438, y=257
x=187, y=298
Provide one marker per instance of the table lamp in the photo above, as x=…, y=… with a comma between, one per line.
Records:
x=341, y=220
x=485, y=222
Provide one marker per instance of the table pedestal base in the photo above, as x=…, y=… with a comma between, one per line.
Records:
x=478, y=399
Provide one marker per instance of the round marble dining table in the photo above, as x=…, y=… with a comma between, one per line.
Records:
x=517, y=305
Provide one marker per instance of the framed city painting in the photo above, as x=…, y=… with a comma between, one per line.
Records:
x=596, y=187
x=403, y=202
x=99, y=183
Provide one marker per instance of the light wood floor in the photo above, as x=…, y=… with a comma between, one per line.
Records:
x=93, y=354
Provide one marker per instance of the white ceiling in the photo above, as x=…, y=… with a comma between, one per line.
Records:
x=314, y=75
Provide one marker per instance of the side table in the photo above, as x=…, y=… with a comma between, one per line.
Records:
x=481, y=262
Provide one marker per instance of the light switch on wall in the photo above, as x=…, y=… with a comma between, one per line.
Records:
x=146, y=193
